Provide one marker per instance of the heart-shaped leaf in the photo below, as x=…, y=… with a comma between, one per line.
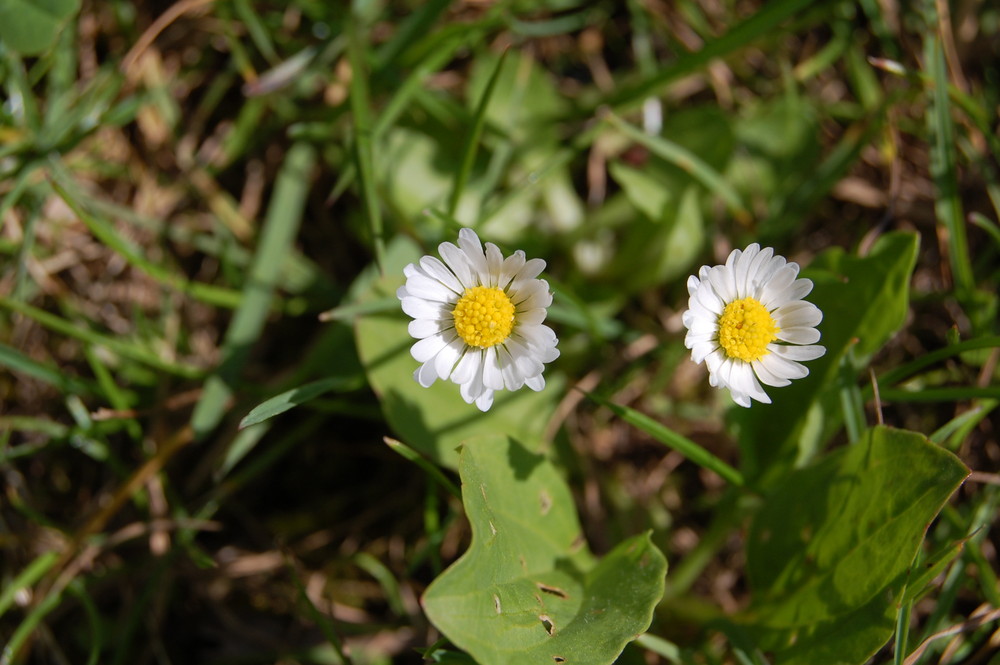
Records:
x=528, y=591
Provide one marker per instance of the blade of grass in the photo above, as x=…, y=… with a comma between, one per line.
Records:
x=939, y=394
x=472, y=142
x=122, y=348
x=413, y=28
x=319, y=618
x=106, y=233
x=15, y=361
x=909, y=369
x=758, y=25
x=673, y=440
x=428, y=467
x=33, y=572
x=947, y=204
x=281, y=225
x=953, y=433
x=296, y=396
x=687, y=161
x=363, y=146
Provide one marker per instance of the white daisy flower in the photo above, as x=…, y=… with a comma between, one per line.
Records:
x=747, y=320
x=478, y=318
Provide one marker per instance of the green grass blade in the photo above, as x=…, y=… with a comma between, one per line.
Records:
x=107, y=234
x=687, y=161
x=296, y=396
x=472, y=142
x=415, y=27
x=896, y=375
x=939, y=394
x=27, y=577
x=126, y=349
x=673, y=440
x=947, y=204
x=429, y=468
x=363, y=145
x=15, y=361
x=762, y=23
x=284, y=215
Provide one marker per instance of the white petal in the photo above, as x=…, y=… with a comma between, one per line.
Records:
x=797, y=352
x=445, y=361
x=511, y=265
x=782, y=368
x=459, y=264
x=473, y=389
x=419, y=308
x=512, y=379
x=485, y=401
x=531, y=269
x=420, y=328
x=766, y=375
x=773, y=294
x=799, y=335
x=427, y=348
x=536, y=383
x=700, y=351
x=426, y=375
x=534, y=295
x=492, y=378
x=531, y=317
x=469, y=242
x=721, y=280
x=429, y=289
x=693, y=285
x=467, y=367
x=798, y=314
x=494, y=263
x=439, y=271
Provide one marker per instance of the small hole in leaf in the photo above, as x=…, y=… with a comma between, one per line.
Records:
x=546, y=502
x=547, y=623
x=555, y=591
x=496, y=602
x=559, y=659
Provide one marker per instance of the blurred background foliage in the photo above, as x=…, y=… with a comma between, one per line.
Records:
x=205, y=204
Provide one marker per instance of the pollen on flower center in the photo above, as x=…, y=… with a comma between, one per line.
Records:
x=745, y=330
x=484, y=316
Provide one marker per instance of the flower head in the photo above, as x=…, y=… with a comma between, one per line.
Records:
x=478, y=319
x=747, y=320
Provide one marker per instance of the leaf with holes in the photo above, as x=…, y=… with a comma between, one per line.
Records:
x=829, y=552
x=528, y=591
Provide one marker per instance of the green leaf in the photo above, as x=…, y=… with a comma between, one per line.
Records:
x=435, y=420
x=31, y=26
x=528, y=591
x=292, y=398
x=864, y=301
x=829, y=552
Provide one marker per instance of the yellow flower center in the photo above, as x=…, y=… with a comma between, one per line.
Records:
x=484, y=316
x=745, y=330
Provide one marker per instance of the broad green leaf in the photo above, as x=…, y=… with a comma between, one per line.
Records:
x=829, y=552
x=435, y=420
x=864, y=301
x=30, y=26
x=528, y=591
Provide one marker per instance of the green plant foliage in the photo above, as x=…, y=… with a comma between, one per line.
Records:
x=864, y=302
x=528, y=591
x=435, y=420
x=829, y=552
x=30, y=26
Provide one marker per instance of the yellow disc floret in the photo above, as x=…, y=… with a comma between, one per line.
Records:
x=745, y=330
x=484, y=316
